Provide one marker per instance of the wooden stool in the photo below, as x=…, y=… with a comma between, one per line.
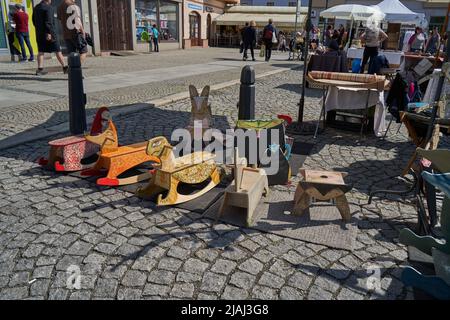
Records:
x=323, y=186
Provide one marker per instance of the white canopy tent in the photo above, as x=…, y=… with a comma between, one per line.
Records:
x=353, y=12
x=397, y=12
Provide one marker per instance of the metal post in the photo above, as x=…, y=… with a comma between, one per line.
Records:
x=247, y=94
x=77, y=97
x=296, y=17
x=305, y=56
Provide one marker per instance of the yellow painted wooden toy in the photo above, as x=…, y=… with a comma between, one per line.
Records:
x=191, y=169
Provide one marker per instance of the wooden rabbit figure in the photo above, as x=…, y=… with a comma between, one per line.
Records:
x=201, y=115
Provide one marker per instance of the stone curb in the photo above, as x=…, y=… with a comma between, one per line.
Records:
x=37, y=134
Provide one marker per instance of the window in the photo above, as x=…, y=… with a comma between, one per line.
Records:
x=149, y=13
x=270, y=4
x=168, y=20
x=292, y=4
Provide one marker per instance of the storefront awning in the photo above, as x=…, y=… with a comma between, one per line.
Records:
x=261, y=19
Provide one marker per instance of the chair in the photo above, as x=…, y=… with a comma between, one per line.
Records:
x=437, y=285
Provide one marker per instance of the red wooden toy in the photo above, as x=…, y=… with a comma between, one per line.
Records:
x=66, y=154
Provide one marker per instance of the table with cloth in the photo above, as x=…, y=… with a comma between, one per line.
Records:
x=347, y=91
x=347, y=98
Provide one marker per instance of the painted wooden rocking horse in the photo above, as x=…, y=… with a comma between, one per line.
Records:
x=201, y=115
x=67, y=154
x=116, y=159
x=246, y=190
x=191, y=169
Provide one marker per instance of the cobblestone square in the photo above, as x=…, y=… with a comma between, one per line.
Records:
x=54, y=227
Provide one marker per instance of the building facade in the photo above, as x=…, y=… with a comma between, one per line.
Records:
x=198, y=17
x=117, y=25
x=434, y=12
x=6, y=11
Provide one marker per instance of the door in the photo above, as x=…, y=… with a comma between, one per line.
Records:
x=114, y=19
x=194, y=29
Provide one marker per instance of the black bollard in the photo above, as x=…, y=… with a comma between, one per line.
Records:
x=77, y=97
x=247, y=93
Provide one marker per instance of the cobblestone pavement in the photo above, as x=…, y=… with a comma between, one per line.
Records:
x=128, y=249
x=44, y=114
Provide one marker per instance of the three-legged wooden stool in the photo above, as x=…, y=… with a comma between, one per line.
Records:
x=323, y=186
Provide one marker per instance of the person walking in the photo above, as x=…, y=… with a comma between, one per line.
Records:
x=372, y=37
x=269, y=33
x=22, y=33
x=249, y=39
x=47, y=41
x=282, y=42
x=433, y=42
x=155, y=38
x=11, y=30
x=327, y=36
x=69, y=14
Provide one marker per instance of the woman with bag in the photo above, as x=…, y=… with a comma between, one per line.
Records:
x=269, y=38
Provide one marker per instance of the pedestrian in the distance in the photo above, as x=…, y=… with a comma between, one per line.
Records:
x=327, y=36
x=73, y=32
x=11, y=29
x=22, y=32
x=269, y=34
x=249, y=39
x=155, y=38
x=47, y=41
x=372, y=37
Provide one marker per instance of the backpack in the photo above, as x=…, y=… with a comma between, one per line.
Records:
x=268, y=34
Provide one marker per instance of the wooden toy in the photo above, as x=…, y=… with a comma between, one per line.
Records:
x=323, y=186
x=117, y=159
x=246, y=190
x=201, y=115
x=67, y=154
x=191, y=169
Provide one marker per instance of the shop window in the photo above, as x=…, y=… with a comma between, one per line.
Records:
x=270, y=4
x=149, y=13
x=292, y=4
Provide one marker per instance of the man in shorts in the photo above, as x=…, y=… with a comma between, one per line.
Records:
x=46, y=38
x=74, y=35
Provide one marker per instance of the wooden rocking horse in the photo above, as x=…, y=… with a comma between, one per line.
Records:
x=246, y=190
x=67, y=154
x=191, y=169
x=117, y=159
x=201, y=115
